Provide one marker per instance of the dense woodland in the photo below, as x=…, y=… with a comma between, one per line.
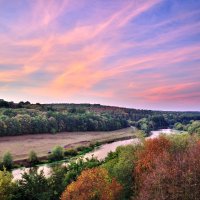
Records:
x=26, y=118
x=141, y=172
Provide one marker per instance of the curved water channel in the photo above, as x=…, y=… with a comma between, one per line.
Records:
x=100, y=153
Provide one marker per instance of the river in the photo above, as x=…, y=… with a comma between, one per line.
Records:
x=100, y=153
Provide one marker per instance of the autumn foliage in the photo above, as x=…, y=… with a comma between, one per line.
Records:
x=168, y=175
x=93, y=184
x=152, y=149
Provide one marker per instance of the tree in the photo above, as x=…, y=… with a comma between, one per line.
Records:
x=25, y=123
x=120, y=165
x=53, y=126
x=93, y=184
x=32, y=186
x=7, y=160
x=12, y=126
x=56, y=181
x=194, y=127
x=152, y=149
x=2, y=128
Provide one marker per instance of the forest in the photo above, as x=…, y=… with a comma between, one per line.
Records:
x=26, y=118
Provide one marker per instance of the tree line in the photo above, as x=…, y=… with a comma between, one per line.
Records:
x=53, y=122
x=26, y=118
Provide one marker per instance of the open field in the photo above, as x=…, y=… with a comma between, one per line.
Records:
x=20, y=146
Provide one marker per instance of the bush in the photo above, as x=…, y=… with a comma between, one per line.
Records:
x=33, y=159
x=8, y=160
x=84, y=149
x=81, y=148
x=70, y=152
x=57, y=154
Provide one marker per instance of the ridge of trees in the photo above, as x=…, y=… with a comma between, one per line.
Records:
x=26, y=118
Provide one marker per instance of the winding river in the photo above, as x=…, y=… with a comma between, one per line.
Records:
x=99, y=153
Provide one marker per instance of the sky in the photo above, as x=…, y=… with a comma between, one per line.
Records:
x=131, y=53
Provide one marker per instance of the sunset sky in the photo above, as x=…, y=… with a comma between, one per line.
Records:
x=131, y=53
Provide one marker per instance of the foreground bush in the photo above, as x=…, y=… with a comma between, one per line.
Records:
x=93, y=184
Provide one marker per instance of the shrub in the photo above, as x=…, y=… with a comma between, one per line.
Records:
x=8, y=160
x=57, y=153
x=70, y=152
x=33, y=159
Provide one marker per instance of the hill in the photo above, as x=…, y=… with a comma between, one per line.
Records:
x=26, y=118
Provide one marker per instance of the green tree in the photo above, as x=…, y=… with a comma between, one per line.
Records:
x=120, y=165
x=53, y=126
x=56, y=181
x=32, y=186
x=8, y=160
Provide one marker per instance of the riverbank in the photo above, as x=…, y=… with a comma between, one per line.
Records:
x=100, y=153
x=20, y=146
x=79, y=151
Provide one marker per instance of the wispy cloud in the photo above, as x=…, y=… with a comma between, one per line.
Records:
x=134, y=48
